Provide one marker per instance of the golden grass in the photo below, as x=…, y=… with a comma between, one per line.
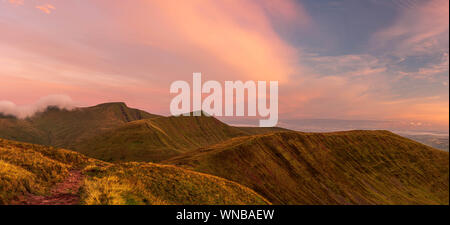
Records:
x=15, y=180
x=28, y=168
x=147, y=183
x=109, y=190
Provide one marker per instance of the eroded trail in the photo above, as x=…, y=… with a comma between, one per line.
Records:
x=64, y=193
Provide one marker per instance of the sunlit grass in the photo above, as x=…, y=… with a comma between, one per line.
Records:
x=148, y=183
x=34, y=169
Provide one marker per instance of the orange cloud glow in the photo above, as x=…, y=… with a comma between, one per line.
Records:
x=132, y=50
x=16, y=2
x=236, y=36
x=47, y=8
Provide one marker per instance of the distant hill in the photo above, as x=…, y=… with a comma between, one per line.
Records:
x=35, y=174
x=355, y=167
x=436, y=141
x=67, y=128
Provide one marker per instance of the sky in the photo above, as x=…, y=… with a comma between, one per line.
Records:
x=380, y=60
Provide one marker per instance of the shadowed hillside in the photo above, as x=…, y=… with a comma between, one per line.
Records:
x=114, y=132
x=34, y=174
x=64, y=128
x=21, y=130
x=158, y=138
x=355, y=167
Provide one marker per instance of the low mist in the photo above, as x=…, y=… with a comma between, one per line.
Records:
x=8, y=108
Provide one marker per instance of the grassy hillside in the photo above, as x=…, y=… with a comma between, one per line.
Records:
x=28, y=168
x=355, y=167
x=29, y=174
x=114, y=132
x=158, y=138
x=67, y=128
x=148, y=183
x=21, y=130
x=286, y=167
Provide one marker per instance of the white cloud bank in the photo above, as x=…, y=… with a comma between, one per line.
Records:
x=23, y=111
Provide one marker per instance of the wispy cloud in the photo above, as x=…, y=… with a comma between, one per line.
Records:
x=421, y=29
x=133, y=51
x=219, y=34
x=16, y=2
x=46, y=8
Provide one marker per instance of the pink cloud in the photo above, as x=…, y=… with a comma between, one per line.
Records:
x=16, y=2
x=224, y=41
x=46, y=8
x=132, y=52
x=236, y=36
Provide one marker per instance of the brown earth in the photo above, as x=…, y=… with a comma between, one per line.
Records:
x=64, y=193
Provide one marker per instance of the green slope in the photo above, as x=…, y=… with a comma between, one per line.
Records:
x=21, y=130
x=355, y=167
x=114, y=132
x=158, y=138
x=64, y=128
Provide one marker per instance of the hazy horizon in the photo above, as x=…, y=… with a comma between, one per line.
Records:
x=305, y=124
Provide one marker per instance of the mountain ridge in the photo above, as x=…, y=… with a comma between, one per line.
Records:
x=114, y=132
x=64, y=128
x=352, y=167
x=282, y=166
